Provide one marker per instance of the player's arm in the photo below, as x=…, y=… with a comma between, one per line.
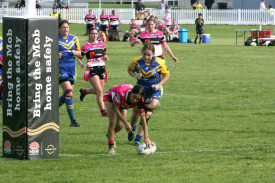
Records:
x=145, y=129
x=120, y=117
x=168, y=50
x=137, y=41
x=134, y=74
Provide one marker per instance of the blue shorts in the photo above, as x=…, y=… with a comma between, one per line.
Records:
x=65, y=76
x=150, y=93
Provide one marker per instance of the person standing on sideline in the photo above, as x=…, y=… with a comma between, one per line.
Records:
x=192, y=3
x=104, y=20
x=197, y=5
x=114, y=23
x=262, y=5
x=271, y=12
x=163, y=5
x=95, y=52
x=55, y=14
x=68, y=49
x=199, y=28
x=167, y=18
x=209, y=4
x=90, y=20
x=139, y=9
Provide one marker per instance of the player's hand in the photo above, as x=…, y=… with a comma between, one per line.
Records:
x=175, y=59
x=105, y=58
x=83, y=66
x=148, y=142
x=138, y=41
x=60, y=55
x=155, y=87
x=128, y=127
x=73, y=52
x=138, y=75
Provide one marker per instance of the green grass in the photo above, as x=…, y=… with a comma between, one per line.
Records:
x=215, y=122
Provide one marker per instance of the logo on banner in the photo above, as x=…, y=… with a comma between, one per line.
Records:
x=50, y=149
x=7, y=147
x=19, y=150
x=34, y=148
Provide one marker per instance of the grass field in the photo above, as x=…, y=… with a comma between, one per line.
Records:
x=216, y=122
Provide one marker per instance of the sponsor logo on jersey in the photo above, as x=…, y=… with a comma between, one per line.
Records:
x=34, y=148
x=118, y=98
x=7, y=147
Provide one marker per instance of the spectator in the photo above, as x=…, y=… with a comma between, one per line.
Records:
x=56, y=4
x=167, y=18
x=262, y=5
x=37, y=5
x=192, y=3
x=64, y=4
x=271, y=12
x=18, y=5
x=197, y=5
x=22, y=3
x=139, y=9
x=149, y=14
x=209, y=3
x=55, y=14
x=163, y=5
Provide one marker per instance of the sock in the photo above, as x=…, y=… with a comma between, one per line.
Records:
x=118, y=38
x=85, y=92
x=70, y=108
x=111, y=144
x=103, y=111
x=196, y=39
x=138, y=137
x=107, y=37
x=61, y=100
x=200, y=39
x=101, y=37
x=134, y=127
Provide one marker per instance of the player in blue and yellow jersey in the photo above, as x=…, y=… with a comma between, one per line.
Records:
x=147, y=69
x=69, y=48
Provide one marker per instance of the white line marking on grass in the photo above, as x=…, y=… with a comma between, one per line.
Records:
x=191, y=96
x=182, y=151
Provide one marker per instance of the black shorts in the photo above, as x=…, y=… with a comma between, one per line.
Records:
x=114, y=27
x=104, y=28
x=199, y=31
x=89, y=26
x=66, y=79
x=99, y=71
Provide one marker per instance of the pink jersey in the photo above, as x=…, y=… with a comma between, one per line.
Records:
x=167, y=18
x=119, y=95
x=175, y=28
x=155, y=39
x=94, y=53
x=104, y=19
x=133, y=26
x=90, y=19
x=162, y=27
x=114, y=19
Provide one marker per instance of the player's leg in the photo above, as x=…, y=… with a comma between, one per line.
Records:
x=134, y=118
x=119, y=123
x=107, y=32
x=67, y=88
x=117, y=33
x=111, y=127
x=149, y=110
x=197, y=35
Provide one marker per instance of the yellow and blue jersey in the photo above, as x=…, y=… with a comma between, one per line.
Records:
x=151, y=74
x=67, y=61
x=1, y=46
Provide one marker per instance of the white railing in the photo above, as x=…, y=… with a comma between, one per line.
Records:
x=183, y=16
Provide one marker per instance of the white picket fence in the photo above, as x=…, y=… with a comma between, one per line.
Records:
x=183, y=16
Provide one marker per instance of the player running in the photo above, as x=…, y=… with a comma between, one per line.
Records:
x=156, y=38
x=114, y=22
x=147, y=69
x=95, y=52
x=90, y=20
x=104, y=20
x=118, y=100
x=68, y=49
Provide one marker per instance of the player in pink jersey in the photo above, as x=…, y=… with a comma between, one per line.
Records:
x=133, y=30
x=118, y=100
x=156, y=38
x=143, y=26
x=163, y=29
x=114, y=22
x=95, y=52
x=90, y=20
x=104, y=20
x=174, y=27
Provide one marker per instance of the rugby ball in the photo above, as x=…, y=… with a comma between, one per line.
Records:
x=143, y=150
x=253, y=44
